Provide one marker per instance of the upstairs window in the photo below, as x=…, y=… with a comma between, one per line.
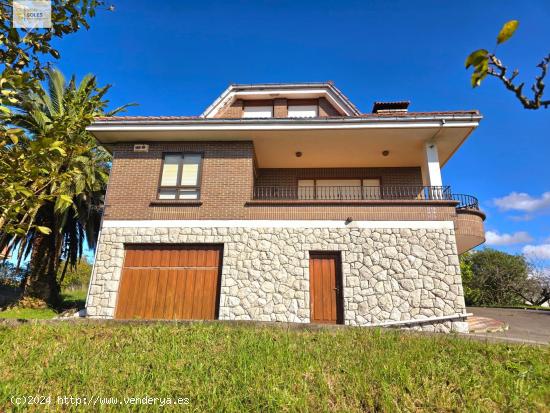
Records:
x=258, y=112
x=302, y=111
x=180, y=176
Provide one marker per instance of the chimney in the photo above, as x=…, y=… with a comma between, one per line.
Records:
x=391, y=107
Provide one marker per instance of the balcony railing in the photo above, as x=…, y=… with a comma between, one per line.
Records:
x=352, y=193
x=363, y=193
x=466, y=202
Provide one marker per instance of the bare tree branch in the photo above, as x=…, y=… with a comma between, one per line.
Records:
x=498, y=70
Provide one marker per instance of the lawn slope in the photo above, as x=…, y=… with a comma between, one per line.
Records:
x=222, y=367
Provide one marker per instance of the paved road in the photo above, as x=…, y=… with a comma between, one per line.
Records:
x=531, y=326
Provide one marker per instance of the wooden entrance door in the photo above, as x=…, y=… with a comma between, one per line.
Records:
x=177, y=282
x=325, y=286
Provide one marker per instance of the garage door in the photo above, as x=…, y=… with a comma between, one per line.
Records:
x=170, y=282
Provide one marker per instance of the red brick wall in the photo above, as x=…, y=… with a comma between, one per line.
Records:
x=227, y=181
x=290, y=176
x=280, y=107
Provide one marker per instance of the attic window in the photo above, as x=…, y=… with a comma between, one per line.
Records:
x=258, y=112
x=302, y=111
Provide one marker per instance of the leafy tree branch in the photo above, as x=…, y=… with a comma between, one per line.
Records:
x=486, y=63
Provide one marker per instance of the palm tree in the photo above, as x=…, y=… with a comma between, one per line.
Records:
x=71, y=212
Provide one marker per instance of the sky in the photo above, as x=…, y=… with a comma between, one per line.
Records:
x=175, y=57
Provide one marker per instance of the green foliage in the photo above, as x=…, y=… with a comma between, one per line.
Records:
x=71, y=176
x=485, y=63
x=492, y=277
x=26, y=163
x=77, y=277
x=237, y=368
x=471, y=294
x=480, y=59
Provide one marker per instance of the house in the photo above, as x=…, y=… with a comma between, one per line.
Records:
x=284, y=202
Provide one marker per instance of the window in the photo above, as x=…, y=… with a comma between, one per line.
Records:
x=180, y=176
x=258, y=112
x=346, y=189
x=302, y=111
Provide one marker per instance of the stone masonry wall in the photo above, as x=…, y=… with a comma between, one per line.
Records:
x=388, y=274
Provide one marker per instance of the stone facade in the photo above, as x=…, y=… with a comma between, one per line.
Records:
x=391, y=276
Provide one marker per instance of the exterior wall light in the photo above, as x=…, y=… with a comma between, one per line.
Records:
x=348, y=220
x=298, y=154
x=385, y=153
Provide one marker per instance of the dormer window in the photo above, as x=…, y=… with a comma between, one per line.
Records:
x=258, y=112
x=303, y=111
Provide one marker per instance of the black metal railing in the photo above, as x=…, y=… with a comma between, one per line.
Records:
x=466, y=202
x=352, y=193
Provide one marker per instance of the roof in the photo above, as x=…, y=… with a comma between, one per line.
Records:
x=271, y=90
x=412, y=115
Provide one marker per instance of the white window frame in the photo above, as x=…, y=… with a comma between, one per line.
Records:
x=181, y=192
x=255, y=112
x=303, y=111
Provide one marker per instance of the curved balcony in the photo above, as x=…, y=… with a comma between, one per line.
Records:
x=469, y=228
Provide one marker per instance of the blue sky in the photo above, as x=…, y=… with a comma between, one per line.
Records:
x=174, y=57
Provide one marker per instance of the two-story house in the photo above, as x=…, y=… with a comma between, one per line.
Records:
x=283, y=202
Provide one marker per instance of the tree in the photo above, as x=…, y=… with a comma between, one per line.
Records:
x=486, y=63
x=25, y=166
x=70, y=211
x=536, y=289
x=495, y=277
x=76, y=278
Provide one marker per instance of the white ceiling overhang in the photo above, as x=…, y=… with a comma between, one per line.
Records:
x=322, y=142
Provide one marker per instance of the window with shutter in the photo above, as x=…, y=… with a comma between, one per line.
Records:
x=180, y=176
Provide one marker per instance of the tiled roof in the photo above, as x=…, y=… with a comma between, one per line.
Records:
x=147, y=117
x=363, y=115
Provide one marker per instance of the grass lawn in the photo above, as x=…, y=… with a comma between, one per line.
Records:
x=70, y=299
x=222, y=367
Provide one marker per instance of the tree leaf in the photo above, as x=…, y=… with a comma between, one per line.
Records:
x=476, y=57
x=44, y=230
x=507, y=31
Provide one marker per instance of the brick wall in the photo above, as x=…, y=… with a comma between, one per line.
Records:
x=280, y=107
x=290, y=176
x=227, y=184
x=227, y=180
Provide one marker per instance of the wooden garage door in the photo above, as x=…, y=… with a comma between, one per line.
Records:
x=169, y=282
x=325, y=288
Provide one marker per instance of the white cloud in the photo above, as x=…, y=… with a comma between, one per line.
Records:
x=494, y=238
x=521, y=201
x=541, y=251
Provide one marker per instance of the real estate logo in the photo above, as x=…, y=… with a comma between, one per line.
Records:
x=35, y=14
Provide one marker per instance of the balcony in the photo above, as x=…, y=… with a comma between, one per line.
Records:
x=363, y=193
x=401, y=202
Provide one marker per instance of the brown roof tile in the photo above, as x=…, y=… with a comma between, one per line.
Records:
x=363, y=115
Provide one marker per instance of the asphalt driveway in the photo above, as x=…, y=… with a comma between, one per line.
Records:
x=529, y=326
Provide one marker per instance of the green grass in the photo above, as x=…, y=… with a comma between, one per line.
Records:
x=28, y=313
x=519, y=307
x=238, y=368
x=70, y=299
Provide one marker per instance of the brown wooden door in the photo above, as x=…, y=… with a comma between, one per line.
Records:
x=325, y=286
x=177, y=282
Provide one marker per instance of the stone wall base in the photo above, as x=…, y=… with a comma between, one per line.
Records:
x=388, y=274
